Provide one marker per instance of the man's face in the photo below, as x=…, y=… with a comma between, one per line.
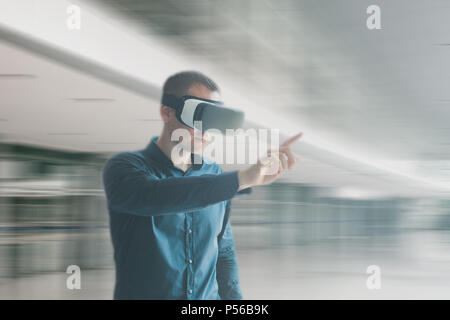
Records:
x=198, y=140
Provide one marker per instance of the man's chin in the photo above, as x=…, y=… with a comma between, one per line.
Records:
x=198, y=145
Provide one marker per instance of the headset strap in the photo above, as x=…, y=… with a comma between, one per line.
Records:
x=172, y=101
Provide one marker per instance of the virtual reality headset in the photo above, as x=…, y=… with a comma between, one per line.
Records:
x=212, y=114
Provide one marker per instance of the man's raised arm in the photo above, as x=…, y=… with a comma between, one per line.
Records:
x=131, y=189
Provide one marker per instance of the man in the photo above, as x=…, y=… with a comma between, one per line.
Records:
x=170, y=221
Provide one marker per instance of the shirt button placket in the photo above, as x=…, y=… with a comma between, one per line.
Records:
x=190, y=277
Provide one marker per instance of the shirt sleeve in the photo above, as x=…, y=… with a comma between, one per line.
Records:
x=227, y=272
x=131, y=189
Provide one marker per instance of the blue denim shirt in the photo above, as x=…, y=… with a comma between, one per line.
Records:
x=170, y=229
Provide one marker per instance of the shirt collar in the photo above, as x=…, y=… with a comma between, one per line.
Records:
x=154, y=152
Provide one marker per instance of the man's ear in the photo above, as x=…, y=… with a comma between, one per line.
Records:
x=165, y=112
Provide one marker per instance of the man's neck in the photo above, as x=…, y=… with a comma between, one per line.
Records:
x=166, y=146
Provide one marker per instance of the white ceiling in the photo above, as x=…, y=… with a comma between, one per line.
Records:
x=63, y=108
x=373, y=105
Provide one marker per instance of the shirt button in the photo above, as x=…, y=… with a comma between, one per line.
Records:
x=190, y=231
x=190, y=261
x=190, y=291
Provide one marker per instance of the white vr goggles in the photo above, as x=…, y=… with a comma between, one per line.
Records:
x=212, y=114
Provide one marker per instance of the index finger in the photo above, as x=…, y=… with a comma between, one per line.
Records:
x=291, y=140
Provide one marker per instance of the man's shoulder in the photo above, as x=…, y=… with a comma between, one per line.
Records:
x=124, y=157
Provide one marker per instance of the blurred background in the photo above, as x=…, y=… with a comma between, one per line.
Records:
x=81, y=80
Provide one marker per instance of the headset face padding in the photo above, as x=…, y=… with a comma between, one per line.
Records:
x=212, y=114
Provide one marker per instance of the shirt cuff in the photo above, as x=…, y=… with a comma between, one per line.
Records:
x=245, y=191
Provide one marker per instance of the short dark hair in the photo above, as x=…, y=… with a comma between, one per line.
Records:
x=179, y=83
